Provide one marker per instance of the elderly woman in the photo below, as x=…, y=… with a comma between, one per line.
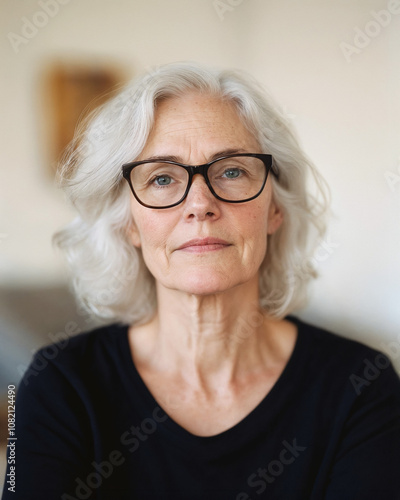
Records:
x=193, y=239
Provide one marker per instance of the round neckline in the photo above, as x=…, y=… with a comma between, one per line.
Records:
x=240, y=431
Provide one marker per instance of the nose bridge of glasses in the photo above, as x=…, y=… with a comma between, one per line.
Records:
x=198, y=170
x=201, y=170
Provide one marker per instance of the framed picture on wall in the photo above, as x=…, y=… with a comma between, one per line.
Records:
x=73, y=90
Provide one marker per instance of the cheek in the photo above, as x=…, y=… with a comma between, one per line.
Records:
x=133, y=230
x=152, y=250
x=256, y=231
x=134, y=236
x=145, y=226
x=256, y=221
x=150, y=234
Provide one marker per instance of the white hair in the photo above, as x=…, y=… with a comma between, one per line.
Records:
x=110, y=277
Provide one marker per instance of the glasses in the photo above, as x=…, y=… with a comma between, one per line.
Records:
x=164, y=184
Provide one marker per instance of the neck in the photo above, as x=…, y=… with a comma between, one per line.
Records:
x=211, y=338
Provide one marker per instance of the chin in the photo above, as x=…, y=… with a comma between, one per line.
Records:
x=202, y=283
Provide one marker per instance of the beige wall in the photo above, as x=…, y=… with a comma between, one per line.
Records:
x=344, y=102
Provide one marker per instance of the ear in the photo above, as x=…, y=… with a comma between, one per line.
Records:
x=133, y=234
x=275, y=218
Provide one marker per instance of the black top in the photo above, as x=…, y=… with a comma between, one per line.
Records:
x=87, y=427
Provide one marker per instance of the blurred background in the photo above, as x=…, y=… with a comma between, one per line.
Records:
x=334, y=67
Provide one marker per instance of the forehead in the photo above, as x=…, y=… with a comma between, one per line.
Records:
x=195, y=121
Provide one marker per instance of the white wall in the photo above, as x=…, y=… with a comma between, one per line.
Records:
x=346, y=111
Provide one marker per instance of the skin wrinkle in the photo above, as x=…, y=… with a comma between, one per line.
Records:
x=178, y=159
x=190, y=348
x=198, y=197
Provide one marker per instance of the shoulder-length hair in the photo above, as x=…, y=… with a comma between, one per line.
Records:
x=110, y=278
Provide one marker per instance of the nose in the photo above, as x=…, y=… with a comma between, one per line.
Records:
x=200, y=203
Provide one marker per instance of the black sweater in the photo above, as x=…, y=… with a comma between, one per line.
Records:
x=87, y=427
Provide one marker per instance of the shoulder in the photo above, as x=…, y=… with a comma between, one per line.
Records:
x=330, y=344
x=332, y=356
x=77, y=355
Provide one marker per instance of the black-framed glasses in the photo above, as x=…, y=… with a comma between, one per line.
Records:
x=233, y=178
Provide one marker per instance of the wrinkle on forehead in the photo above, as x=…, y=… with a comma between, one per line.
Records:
x=184, y=127
x=199, y=123
x=202, y=107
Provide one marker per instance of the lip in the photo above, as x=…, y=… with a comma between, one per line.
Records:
x=199, y=245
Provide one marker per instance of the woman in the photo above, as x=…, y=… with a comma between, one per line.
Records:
x=193, y=238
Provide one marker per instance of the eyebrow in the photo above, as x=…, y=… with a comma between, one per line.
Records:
x=178, y=159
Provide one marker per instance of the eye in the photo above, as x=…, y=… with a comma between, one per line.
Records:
x=232, y=173
x=162, y=180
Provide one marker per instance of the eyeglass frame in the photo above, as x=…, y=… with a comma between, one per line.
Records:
x=192, y=170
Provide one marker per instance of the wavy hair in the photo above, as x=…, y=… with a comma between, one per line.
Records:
x=110, y=278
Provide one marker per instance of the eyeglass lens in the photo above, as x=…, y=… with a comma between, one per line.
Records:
x=233, y=179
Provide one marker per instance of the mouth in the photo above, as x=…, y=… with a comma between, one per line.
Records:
x=201, y=245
